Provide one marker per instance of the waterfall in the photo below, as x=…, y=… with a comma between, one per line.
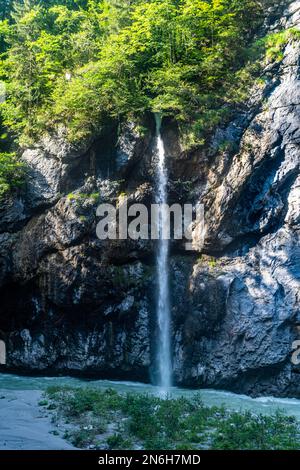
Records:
x=163, y=297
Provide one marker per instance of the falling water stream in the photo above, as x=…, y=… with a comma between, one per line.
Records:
x=163, y=295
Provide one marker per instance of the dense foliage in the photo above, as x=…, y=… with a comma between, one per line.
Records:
x=74, y=63
x=107, y=419
x=11, y=172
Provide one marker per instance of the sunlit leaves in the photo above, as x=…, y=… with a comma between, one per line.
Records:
x=77, y=63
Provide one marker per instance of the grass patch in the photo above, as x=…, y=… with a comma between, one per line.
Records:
x=110, y=420
x=43, y=403
x=81, y=197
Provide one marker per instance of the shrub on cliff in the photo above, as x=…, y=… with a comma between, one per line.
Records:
x=11, y=173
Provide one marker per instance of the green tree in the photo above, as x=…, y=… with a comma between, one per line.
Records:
x=79, y=63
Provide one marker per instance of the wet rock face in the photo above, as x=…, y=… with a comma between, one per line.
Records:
x=79, y=316
x=248, y=347
x=71, y=303
x=256, y=187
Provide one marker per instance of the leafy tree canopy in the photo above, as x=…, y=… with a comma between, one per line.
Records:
x=76, y=63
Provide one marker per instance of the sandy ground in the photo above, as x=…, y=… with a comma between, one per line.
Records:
x=24, y=425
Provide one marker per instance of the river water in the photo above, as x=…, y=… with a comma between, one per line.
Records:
x=264, y=405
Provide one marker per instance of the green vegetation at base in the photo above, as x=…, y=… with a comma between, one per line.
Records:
x=78, y=63
x=107, y=419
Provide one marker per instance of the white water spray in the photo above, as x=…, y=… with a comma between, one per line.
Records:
x=163, y=300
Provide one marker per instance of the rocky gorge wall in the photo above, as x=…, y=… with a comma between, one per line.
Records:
x=71, y=303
